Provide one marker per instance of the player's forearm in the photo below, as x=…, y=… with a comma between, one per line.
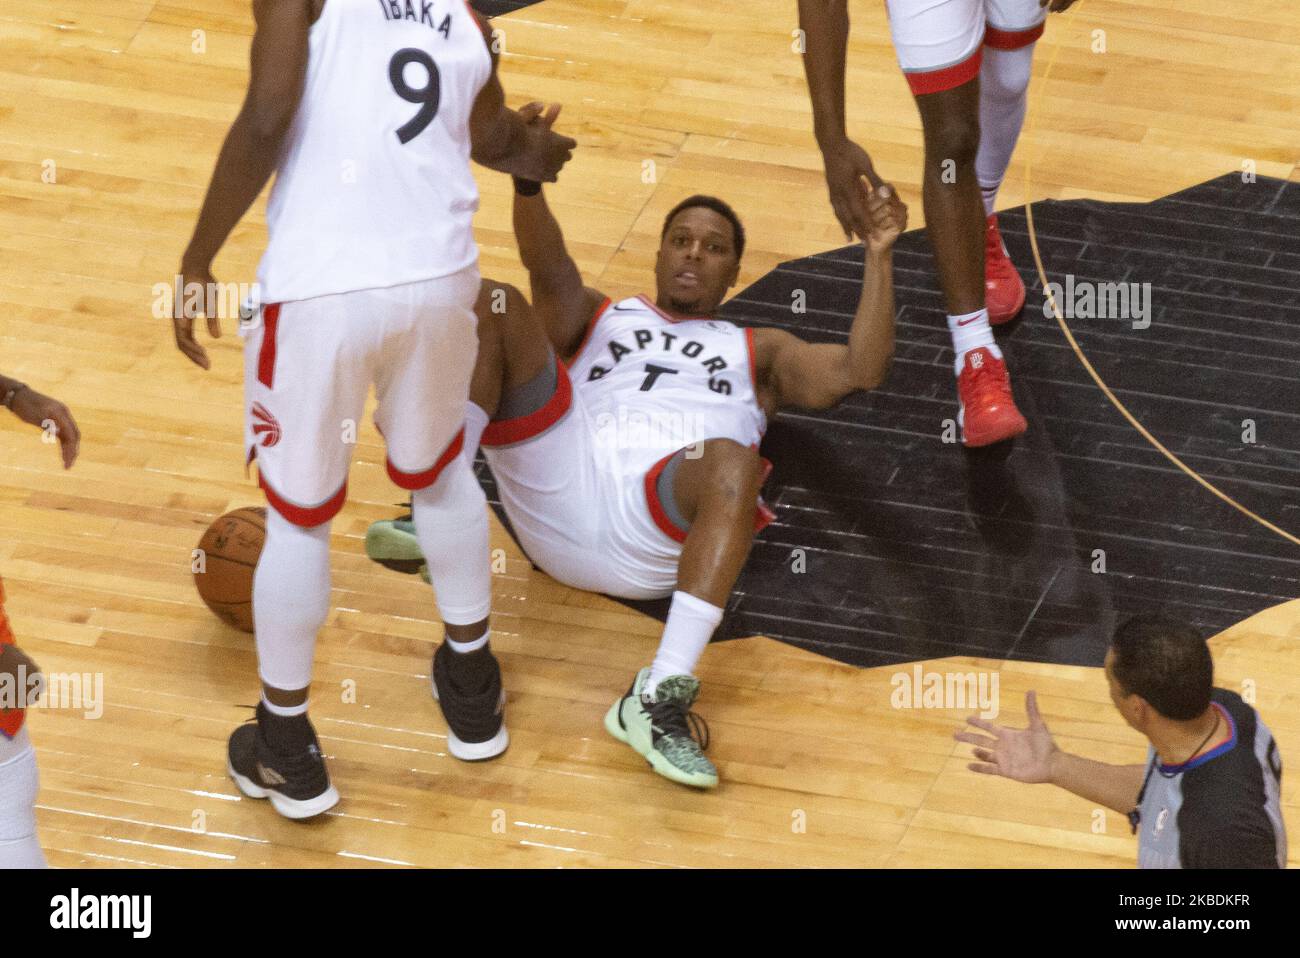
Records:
x=247, y=160
x=825, y=24
x=1115, y=786
x=505, y=148
x=871, y=338
x=541, y=243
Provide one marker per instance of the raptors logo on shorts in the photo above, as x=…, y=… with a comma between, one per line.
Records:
x=265, y=426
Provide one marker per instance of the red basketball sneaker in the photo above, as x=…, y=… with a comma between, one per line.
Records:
x=988, y=411
x=1004, y=290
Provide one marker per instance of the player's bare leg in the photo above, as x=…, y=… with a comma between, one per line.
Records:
x=957, y=229
x=513, y=350
x=950, y=193
x=284, y=698
x=714, y=489
x=717, y=492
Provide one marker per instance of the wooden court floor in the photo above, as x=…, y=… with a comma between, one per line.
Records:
x=110, y=119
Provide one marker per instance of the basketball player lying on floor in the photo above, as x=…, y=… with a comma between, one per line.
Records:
x=624, y=436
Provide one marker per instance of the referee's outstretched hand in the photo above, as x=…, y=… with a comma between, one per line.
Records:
x=1022, y=754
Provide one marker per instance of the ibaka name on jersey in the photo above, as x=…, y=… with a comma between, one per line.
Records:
x=397, y=10
x=373, y=186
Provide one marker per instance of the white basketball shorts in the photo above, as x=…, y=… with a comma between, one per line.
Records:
x=587, y=510
x=308, y=366
x=584, y=517
x=940, y=43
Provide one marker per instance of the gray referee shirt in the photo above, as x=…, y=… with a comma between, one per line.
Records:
x=1220, y=810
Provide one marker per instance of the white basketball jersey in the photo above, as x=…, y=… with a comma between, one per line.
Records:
x=653, y=383
x=374, y=185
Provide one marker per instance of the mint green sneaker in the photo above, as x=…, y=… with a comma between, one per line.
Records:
x=665, y=731
x=392, y=543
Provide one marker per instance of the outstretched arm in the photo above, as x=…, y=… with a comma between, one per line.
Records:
x=792, y=372
x=825, y=24
x=1115, y=786
x=1031, y=755
x=559, y=296
x=506, y=141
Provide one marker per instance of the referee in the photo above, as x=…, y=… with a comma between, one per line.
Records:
x=1208, y=795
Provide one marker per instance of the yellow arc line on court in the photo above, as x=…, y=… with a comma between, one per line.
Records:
x=1069, y=335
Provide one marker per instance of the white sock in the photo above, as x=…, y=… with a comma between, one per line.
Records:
x=291, y=600
x=285, y=710
x=971, y=331
x=990, y=196
x=451, y=524
x=476, y=420
x=474, y=646
x=691, y=623
x=1004, y=86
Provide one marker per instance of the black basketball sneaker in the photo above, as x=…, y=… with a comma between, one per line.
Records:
x=278, y=757
x=468, y=689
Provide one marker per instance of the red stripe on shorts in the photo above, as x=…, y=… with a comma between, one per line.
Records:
x=299, y=515
x=657, y=513
x=508, y=431
x=266, y=357
x=1011, y=39
x=422, y=480
x=763, y=515
x=949, y=78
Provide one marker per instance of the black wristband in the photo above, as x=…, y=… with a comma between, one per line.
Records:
x=526, y=187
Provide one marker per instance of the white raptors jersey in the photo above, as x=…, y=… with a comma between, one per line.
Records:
x=654, y=384
x=374, y=186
